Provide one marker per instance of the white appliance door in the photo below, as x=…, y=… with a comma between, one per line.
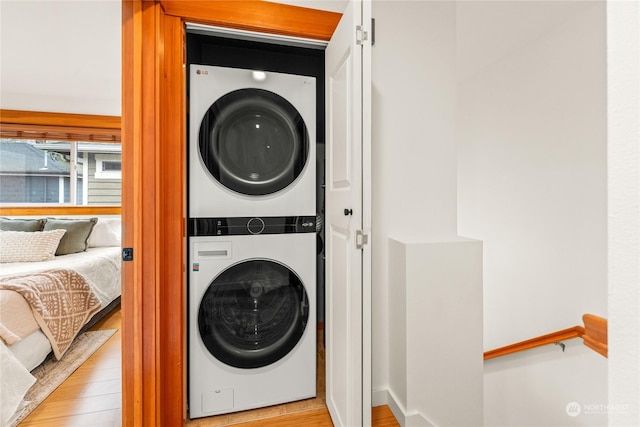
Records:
x=253, y=313
x=348, y=317
x=254, y=142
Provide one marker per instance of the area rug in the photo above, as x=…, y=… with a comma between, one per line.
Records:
x=51, y=373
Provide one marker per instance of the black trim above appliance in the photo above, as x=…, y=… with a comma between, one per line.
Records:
x=243, y=226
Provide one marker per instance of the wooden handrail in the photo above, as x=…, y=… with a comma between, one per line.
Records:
x=565, y=334
x=594, y=334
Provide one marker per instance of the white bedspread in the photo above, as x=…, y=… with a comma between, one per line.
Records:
x=100, y=266
x=15, y=381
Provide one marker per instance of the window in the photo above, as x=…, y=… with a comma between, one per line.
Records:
x=108, y=166
x=36, y=171
x=45, y=163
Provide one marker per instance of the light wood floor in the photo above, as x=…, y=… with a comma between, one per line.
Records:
x=91, y=397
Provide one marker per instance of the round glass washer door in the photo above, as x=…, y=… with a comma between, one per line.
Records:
x=254, y=142
x=253, y=314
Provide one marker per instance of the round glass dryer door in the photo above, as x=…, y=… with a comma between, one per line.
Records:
x=253, y=314
x=253, y=142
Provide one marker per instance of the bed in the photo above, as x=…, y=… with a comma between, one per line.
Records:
x=84, y=270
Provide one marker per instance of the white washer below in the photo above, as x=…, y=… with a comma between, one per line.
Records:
x=247, y=305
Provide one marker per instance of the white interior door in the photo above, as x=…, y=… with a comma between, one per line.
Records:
x=348, y=282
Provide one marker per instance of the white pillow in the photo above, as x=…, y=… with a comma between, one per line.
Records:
x=106, y=232
x=26, y=246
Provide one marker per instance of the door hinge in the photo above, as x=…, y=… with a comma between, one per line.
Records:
x=361, y=35
x=362, y=239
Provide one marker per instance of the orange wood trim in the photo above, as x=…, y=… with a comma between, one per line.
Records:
x=59, y=119
x=134, y=371
x=596, y=334
x=147, y=241
x=171, y=215
x=59, y=126
x=60, y=210
x=565, y=334
x=59, y=133
x=259, y=16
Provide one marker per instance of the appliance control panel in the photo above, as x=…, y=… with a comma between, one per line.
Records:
x=240, y=226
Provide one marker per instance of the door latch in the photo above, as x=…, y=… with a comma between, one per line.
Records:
x=127, y=254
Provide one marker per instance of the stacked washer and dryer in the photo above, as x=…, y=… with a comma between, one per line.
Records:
x=252, y=241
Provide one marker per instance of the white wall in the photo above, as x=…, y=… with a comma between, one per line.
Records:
x=61, y=56
x=532, y=183
x=435, y=348
x=534, y=388
x=623, y=57
x=413, y=146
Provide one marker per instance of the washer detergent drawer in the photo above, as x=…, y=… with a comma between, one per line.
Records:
x=212, y=251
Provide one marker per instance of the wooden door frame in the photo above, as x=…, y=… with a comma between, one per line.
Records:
x=154, y=186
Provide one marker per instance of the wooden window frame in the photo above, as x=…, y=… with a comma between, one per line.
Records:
x=19, y=124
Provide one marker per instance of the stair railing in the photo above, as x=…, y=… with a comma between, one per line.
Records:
x=593, y=333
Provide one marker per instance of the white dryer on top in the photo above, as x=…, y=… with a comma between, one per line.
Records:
x=252, y=139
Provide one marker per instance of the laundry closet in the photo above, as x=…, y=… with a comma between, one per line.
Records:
x=162, y=127
x=255, y=151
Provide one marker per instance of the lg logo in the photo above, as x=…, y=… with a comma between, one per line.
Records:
x=202, y=72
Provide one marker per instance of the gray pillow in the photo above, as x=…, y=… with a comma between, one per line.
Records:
x=18, y=224
x=78, y=232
